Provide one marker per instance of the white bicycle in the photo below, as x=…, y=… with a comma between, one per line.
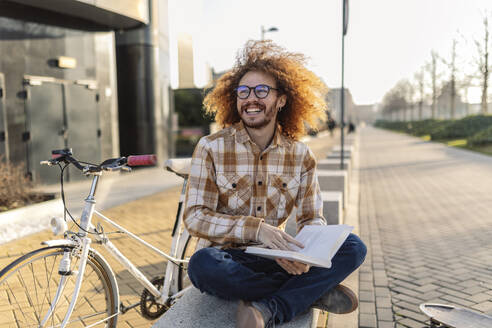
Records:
x=69, y=284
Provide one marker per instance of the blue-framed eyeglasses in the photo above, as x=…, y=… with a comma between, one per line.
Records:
x=261, y=91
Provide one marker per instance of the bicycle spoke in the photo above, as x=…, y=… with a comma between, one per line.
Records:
x=35, y=286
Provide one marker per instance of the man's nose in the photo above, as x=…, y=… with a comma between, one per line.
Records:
x=252, y=94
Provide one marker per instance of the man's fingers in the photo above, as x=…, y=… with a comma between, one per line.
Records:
x=291, y=267
x=286, y=266
x=291, y=239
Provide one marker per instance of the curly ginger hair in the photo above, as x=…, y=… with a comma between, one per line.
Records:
x=304, y=90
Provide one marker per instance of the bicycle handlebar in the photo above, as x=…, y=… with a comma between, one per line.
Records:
x=112, y=164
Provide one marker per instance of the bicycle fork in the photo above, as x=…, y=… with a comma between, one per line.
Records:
x=61, y=286
x=64, y=266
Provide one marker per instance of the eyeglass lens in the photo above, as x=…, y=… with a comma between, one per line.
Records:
x=261, y=91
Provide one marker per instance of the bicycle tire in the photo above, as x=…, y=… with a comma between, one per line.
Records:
x=28, y=284
x=188, y=250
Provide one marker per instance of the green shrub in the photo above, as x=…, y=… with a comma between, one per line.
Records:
x=425, y=127
x=481, y=138
x=463, y=128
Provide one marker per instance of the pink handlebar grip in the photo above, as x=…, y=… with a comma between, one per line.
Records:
x=141, y=160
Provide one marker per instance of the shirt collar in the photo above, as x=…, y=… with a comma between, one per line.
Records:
x=279, y=139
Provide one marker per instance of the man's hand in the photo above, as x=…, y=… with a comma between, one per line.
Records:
x=293, y=267
x=275, y=238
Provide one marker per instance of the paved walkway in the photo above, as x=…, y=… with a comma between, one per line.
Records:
x=426, y=215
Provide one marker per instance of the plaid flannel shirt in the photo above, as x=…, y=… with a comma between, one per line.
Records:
x=233, y=186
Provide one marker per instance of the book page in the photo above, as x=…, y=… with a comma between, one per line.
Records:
x=321, y=242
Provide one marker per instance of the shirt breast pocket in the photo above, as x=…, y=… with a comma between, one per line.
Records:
x=281, y=194
x=235, y=192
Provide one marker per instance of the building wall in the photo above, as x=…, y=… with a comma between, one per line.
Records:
x=31, y=49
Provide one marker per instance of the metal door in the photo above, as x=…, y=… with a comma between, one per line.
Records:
x=82, y=123
x=45, y=128
x=4, y=147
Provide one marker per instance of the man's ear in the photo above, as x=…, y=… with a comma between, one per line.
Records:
x=281, y=101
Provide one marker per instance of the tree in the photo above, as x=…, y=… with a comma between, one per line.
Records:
x=483, y=63
x=451, y=85
x=395, y=100
x=420, y=87
x=432, y=69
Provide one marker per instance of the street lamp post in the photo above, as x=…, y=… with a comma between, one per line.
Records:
x=263, y=31
x=342, y=96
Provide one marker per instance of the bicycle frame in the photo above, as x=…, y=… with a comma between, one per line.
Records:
x=168, y=291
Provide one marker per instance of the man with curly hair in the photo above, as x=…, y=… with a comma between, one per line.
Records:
x=247, y=179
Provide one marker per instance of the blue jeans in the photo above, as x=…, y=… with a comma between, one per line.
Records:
x=232, y=274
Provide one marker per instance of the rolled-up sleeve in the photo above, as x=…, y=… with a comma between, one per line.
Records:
x=201, y=218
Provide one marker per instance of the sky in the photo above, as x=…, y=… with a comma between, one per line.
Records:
x=387, y=40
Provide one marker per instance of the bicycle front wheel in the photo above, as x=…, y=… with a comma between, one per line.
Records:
x=29, y=284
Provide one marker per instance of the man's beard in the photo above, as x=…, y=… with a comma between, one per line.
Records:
x=257, y=124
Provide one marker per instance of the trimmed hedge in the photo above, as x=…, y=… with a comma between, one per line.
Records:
x=481, y=138
x=477, y=129
x=462, y=128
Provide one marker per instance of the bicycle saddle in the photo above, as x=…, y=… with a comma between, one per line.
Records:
x=180, y=166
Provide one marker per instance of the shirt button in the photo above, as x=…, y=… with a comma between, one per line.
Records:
x=258, y=208
x=284, y=185
x=261, y=157
x=260, y=183
x=234, y=185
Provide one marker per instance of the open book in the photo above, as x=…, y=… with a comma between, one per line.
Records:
x=321, y=243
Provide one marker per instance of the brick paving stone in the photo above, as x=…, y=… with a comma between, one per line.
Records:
x=367, y=320
x=483, y=307
x=457, y=300
x=407, y=322
x=385, y=324
x=478, y=298
x=383, y=302
x=367, y=307
x=385, y=314
x=366, y=296
x=453, y=293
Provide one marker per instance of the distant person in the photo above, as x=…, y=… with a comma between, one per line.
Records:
x=351, y=127
x=331, y=125
x=245, y=181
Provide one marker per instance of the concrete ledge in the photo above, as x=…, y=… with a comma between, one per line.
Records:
x=332, y=155
x=196, y=309
x=332, y=164
x=29, y=219
x=334, y=180
x=332, y=206
x=349, y=148
x=332, y=211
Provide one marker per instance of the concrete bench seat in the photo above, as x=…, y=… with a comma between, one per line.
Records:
x=348, y=148
x=196, y=309
x=332, y=155
x=332, y=206
x=334, y=180
x=332, y=164
x=332, y=211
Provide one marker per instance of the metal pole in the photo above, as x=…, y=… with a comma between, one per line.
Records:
x=342, y=95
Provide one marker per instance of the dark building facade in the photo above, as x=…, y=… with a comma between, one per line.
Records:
x=59, y=81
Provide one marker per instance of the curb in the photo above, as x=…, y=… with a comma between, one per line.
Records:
x=29, y=219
